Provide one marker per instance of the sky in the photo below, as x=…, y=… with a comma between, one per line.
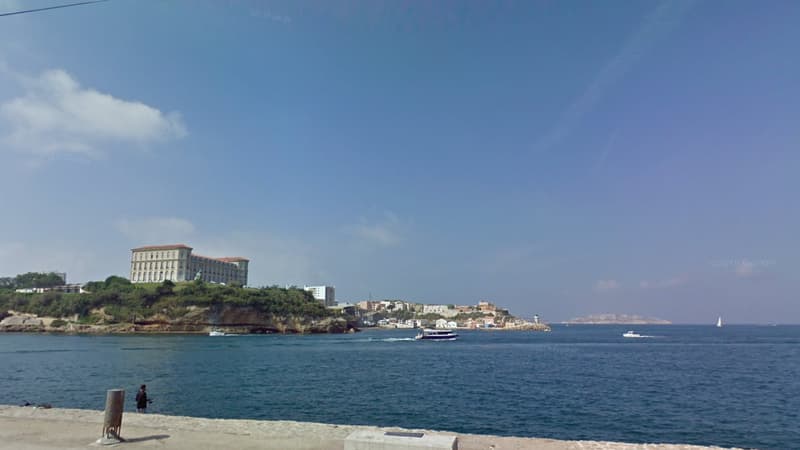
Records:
x=557, y=158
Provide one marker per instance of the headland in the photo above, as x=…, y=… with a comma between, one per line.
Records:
x=117, y=306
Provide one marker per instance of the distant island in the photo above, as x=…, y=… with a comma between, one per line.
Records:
x=616, y=319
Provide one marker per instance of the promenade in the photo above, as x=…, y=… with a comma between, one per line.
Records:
x=29, y=428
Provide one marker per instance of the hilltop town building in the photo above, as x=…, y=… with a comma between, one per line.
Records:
x=325, y=294
x=157, y=263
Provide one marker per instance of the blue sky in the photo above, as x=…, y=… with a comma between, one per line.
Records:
x=559, y=158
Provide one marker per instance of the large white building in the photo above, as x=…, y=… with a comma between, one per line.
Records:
x=325, y=294
x=157, y=263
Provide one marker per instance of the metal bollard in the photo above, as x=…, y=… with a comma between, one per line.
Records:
x=112, y=422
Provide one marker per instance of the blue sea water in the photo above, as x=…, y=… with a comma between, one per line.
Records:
x=733, y=386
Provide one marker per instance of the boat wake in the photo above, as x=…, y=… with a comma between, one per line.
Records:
x=392, y=339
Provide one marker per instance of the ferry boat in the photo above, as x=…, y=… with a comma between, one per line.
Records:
x=429, y=334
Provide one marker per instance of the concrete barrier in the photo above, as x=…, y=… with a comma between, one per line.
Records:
x=380, y=440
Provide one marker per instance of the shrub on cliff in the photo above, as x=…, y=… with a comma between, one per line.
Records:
x=123, y=301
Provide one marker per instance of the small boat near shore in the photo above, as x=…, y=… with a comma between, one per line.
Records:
x=216, y=333
x=429, y=334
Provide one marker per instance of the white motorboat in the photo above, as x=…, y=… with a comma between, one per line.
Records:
x=429, y=334
x=631, y=334
x=216, y=333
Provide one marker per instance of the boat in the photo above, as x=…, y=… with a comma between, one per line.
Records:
x=719, y=322
x=216, y=333
x=631, y=334
x=428, y=334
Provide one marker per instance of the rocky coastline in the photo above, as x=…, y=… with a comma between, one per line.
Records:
x=542, y=327
x=196, y=320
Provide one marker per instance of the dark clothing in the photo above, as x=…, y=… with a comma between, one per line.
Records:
x=141, y=399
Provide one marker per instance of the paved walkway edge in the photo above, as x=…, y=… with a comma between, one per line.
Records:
x=30, y=428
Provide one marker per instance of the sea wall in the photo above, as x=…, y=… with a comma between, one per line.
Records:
x=35, y=428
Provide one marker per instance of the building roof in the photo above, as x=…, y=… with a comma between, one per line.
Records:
x=225, y=259
x=204, y=257
x=161, y=247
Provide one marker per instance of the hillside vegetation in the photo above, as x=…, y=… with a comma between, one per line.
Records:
x=117, y=300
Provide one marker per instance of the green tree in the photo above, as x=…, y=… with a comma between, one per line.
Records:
x=37, y=280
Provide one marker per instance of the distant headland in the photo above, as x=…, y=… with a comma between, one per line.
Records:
x=118, y=306
x=42, y=302
x=618, y=319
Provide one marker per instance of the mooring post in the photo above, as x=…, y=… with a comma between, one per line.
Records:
x=112, y=422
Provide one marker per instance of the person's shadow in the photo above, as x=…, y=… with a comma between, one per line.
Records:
x=155, y=437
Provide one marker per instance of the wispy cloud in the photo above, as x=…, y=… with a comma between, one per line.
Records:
x=743, y=267
x=156, y=230
x=654, y=27
x=275, y=258
x=606, y=285
x=264, y=13
x=73, y=258
x=378, y=233
x=663, y=284
x=7, y=6
x=56, y=115
x=384, y=232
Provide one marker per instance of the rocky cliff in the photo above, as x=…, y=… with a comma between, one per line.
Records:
x=226, y=318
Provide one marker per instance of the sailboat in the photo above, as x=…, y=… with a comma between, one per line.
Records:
x=719, y=322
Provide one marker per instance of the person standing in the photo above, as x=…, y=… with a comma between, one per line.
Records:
x=141, y=399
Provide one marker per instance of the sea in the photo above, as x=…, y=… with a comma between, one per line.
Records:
x=733, y=386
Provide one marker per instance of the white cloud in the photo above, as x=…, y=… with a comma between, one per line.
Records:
x=606, y=285
x=56, y=115
x=156, y=230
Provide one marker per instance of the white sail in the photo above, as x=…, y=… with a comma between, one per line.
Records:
x=719, y=322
